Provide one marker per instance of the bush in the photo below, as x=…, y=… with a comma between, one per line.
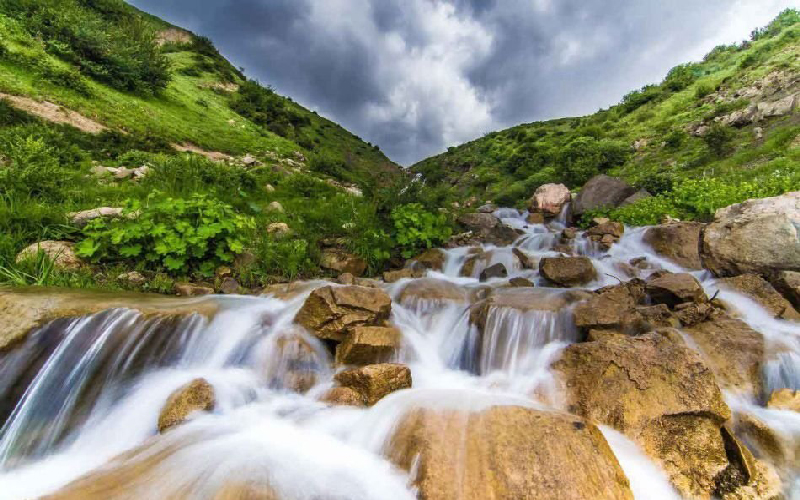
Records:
x=34, y=170
x=638, y=98
x=266, y=108
x=680, y=77
x=176, y=234
x=719, y=140
x=415, y=228
x=703, y=90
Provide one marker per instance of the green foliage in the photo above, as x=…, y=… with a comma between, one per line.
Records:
x=680, y=77
x=638, y=98
x=586, y=157
x=266, y=108
x=785, y=19
x=180, y=235
x=33, y=169
x=416, y=228
x=719, y=139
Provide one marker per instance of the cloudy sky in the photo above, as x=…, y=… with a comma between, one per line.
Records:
x=417, y=76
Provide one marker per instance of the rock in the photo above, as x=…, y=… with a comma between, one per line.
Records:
x=549, y=199
x=223, y=272
x=601, y=191
x=331, y=312
x=638, y=195
x=62, y=254
x=733, y=350
x=758, y=132
x=494, y=271
x=279, y=229
x=520, y=283
x=759, y=290
x=606, y=309
x=506, y=452
x=343, y=262
x=197, y=395
x=230, y=286
x=525, y=260
x=478, y=221
x=432, y=291
x=343, y=396
x=758, y=236
x=567, y=271
x=122, y=173
x=679, y=242
x=368, y=282
x=134, y=278
x=269, y=188
x=479, y=256
x=81, y=219
x=765, y=441
x=784, y=399
x=781, y=107
x=374, y=382
x=535, y=218
x=192, y=290
x=606, y=233
x=788, y=283
x=432, y=258
x=675, y=288
x=346, y=279
x=487, y=208
x=658, y=392
x=367, y=345
x=249, y=160
x=690, y=314
x=275, y=206
x=406, y=273
x=140, y=172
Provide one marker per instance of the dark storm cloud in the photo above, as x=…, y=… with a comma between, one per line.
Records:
x=416, y=76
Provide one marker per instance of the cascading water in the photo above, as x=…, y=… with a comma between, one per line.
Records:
x=90, y=389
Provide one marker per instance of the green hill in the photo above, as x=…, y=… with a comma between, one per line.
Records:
x=727, y=119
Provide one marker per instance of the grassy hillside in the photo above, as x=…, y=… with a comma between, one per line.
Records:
x=658, y=137
x=134, y=92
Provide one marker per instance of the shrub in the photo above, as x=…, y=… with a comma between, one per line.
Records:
x=180, y=235
x=638, y=98
x=703, y=90
x=266, y=108
x=680, y=77
x=416, y=228
x=34, y=169
x=719, y=140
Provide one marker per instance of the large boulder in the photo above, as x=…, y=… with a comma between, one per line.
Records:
x=658, y=392
x=760, y=236
x=62, y=253
x=484, y=228
x=197, y=395
x=82, y=218
x=331, y=312
x=602, y=191
x=478, y=221
x=759, y=290
x=679, y=242
x=549, y=199
x=606, y=308
x=374, y=382
x=432, y=258
x=366, y=345
x=338, y=260
x=567, y=271
x=788, y=283
x=506, y=453
x=673, y=289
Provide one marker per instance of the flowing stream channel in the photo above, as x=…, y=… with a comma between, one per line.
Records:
x=96, y=385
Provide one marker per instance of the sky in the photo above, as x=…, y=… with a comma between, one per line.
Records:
x=418, y=76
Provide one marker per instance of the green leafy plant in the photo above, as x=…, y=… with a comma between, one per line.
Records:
x=179, y=235
x=416, y=228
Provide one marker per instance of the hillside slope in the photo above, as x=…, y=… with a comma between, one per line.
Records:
x=732, y=116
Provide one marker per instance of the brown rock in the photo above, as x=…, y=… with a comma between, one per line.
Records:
x=432, y=258
x=294, y=364
x=506, y=453
x=679, y=242
x=759, y=290
x=535, y=218
x=192, y=290
x=607, y=308
x=522, y=300
x=230, y=286
x=784, y=399
x=690, y=314
x=548, y=199
x=329, y=312
x=673, y=289
x=602, y=191
x=733, y=350
x=438, y=291
x=494, y=271
x=521, y=282
x=477, y=221
x=344, y=262
x=778, y=448
x=788, y=283
x=374, y=382
x=197, y=395
x=343, y=396
x=367, y=345
x=62, y=254
x=658, y=392
x=345, y=279
x=567, y=271
x=405, y=273
x=525, y=260
x=613, y=229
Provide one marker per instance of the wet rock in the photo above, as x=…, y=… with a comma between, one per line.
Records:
x=691, y=314
x=197, y=395
x=494, y=271
x=438, y=291
x=607, y=307
x=478, y=221
x=368, y=282
x=279, y=229
x=62, y=253
x=679, y=242
x=788, y=283
x=525, y=260
x=759, y=290
x=374, y=382
x=133, y=278
x=506, y=452
x=432, y=258
x=673, y=289
x=367, y=345
x=345, y=279
x=601, y=191
x=293, y=361
x=230, y=286
x=549, y=199
x=760, y=236
x=487, y=208
x=784, y=399
x=406, y=273
x=192, y=290
x=659, y=393
x=344, y=262
x=535, y=218
x=606, y=233
x=733, y=350
x=520, y=283
x=81, y=219
x=567, y=271
x=343, y=396
x=330, y=312
x=768, y=443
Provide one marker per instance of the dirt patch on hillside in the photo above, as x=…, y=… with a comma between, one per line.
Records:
x=188, y=147
x=54, y=113
x=173, y=35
